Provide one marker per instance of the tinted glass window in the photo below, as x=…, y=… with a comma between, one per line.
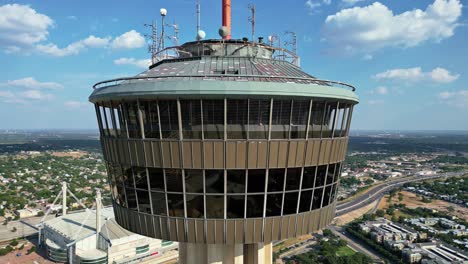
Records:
x=321, y=174
x=237, y=112
x=304, y=203
x=331, y=173
x=236, y=181
x=214, y=180
x=316, y=119
x=333, y=194
x=274, y=202
x=159, y=203
x=191, y=118
x=255, y=205
x=308, y=178
x=299, y=116
x=174, y=180
x=214, y=206
x=317, y=200
x=144, y=205
x=275, y=180
x=149, y=111
x=256, y=181
x=141, y=181
x=169, y=119
x=329, y=119
x=337, y=172
x=156, y=179
x=290, y=203
x=176, y=205
x=194, y=181
x=235, y=206
x=131, y=199
x=213, y=119
x=131, y=115
x=293, y=178
x=259, y=117
x=128, y=177
x=195, y=206
x=326, y=196
x=280, y=119
x=121, y=195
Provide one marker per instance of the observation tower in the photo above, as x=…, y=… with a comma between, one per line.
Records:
x=225, y=146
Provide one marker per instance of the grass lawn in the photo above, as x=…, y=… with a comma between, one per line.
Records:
x=345, y=251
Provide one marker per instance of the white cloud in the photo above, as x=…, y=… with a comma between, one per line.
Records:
x=72, y=17
x=31, y=83
x=313, y=5
x=373, y=27
x=144, y=64
x=6, y=94
x=21, y=27
x=128, y=40
x=35, y=95
x=352, y=2
x=73, y=48
x=437, y=75
x=375, y=102
x=380, y=90
x=367, y=57
x=75, y=104
x=457, y=98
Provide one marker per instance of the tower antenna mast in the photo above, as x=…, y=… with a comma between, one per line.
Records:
x=198, y=15
x=252, y=19
x=153, y=46
x=293, y=42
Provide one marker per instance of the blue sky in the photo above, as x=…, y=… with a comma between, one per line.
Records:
x=407, y=58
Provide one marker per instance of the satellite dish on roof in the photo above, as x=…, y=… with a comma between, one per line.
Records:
x=270, y=38
x=163, y=11
x=201, y=34
x=223, y=31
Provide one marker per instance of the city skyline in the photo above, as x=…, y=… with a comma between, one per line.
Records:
x=404, y=57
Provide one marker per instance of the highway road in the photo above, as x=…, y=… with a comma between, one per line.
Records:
x=379, y=191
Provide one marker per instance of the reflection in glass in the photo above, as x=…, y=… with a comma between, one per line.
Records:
x=326, y=196
x=169, y=119
x=159, y=203
x=128, y=177
x=144, y=205
x=235, y=206
x=156, y=179
x=236, y=181
x=331, y=173
x=293, y=178
x=131, y=199
x=214, y=206
x=194, y=206
x=259, y=117
x=149, y=111
x=317, y=200
x=236, y=115
x=176, y=204
x=255, y=205
x=316, y=119
x=290, y=203
x=194, y=181
x=214, y=180
x=274, y=202
x=333, y=193
x=304, y=203
x=131, y=115
x=275, y=180
x=337, y=172
x=280, y=119
x=191, y=119
x=121, y=195
x=308, y=177
x=174, y=180
x=256, y=181
x=329, y=119
x=299, y=118
x=321, y=174
x=141, y=181
x=213, y=119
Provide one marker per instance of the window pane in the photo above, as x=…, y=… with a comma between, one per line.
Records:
x=120, y=121
x=308, y=177
x=121, y=195
x=214, y=180
x=131, y=115
x=300, y=113
x=337, y=172
x=329, y=120
x=304, y=204
x=169, y=120
x=102, y=120
x=195, y=206
x=326, y=196
x=293, y=179
x=316, y=119
x=194, y=181
x=333, y=193
x=259, y=116
x=128, y=177
x=156, y=179
x=141, y=181
x=235, y=206
x=174, y=180
x=275, y=180
x=191, y=119
x=280, y=119
x=317, y=201
x=215, y=206
x=159, y=203
x=341, y=120
x=290, y=203
x=144, y=205
x=176, y=204
x=256, y=181
x=236, y=181
x=255, y=205
x=149, y=111
x=237, y=119
x=321, y=174
x=131, y=199
x=274, y=202
x=213, y=119
x=331, y=173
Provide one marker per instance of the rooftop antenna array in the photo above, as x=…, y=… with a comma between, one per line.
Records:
x=153, y=46
x=252, y=19
x=293, y=41
x=163, y=13
x=175, y=37
x=198, y=15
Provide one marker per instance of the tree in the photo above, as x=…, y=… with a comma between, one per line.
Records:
x=380, y=213
x=327, y=233
x=400, y=197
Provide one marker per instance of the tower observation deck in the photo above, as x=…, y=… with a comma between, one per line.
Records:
x=224, y=146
